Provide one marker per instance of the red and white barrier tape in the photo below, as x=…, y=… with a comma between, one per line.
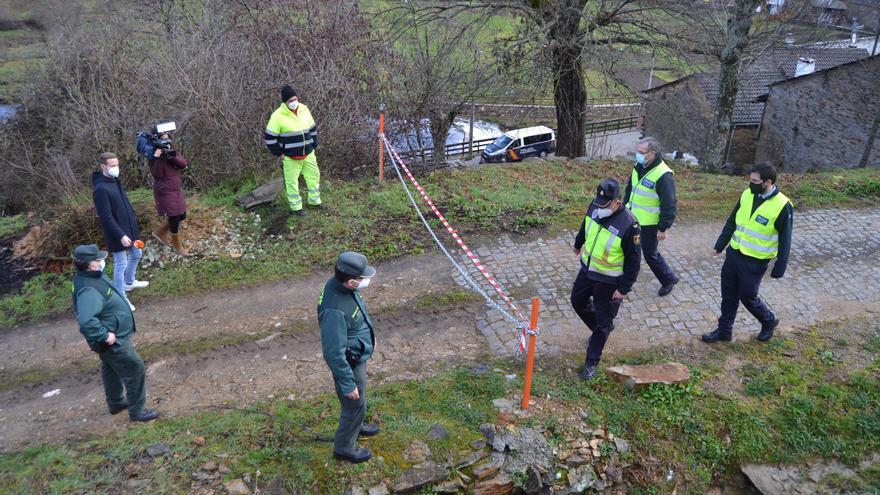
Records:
x=474, y=259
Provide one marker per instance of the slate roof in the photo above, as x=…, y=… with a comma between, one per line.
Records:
x=783, y=60
x=769, y=68
x=747, y=110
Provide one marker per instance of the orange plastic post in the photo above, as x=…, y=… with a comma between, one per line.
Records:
x=381, y=143
x=530, y=358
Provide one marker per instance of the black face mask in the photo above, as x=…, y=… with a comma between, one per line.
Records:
x=756, y=188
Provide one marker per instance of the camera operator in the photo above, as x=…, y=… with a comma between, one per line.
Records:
x=165, y=166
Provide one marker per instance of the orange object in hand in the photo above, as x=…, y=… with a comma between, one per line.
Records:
x=139, y=244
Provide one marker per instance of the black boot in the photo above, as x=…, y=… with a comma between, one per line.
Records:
x=144, y=415
x=767, y=330
x=368, y=430
x=589, y=372
x=360, y=454
x=667, y=288
x=716, y=336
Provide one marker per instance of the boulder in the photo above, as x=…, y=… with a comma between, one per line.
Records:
x=236, y=487
x=451, y=486
x=355, y=490
x=160, y=449
x=581, y=478
x=427, y=473
x=437, y=432
x=379, y=489
x=530, y=448
x=488, y=469
x=499, y=485
x=640, y=376
x=470, y=459
x=261, y=195
x=417, y=452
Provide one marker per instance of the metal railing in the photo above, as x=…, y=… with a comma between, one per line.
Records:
x=590, y=128
x=611, y=126
x=496, y=100
x=451, y=149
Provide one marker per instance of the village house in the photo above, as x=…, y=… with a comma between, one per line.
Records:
x=681, y=113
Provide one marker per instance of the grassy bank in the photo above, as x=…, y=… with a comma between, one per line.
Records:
x=799, y=399
x=379, y=221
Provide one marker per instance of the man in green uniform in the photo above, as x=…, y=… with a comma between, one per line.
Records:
x=107, y=323
x=347, y=339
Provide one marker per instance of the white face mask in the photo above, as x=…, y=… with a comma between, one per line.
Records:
x=602, y=212
x=292, y=105
x=113, y=172
x=103, y=265
x=364, y=283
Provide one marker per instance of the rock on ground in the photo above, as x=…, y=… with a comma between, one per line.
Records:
x=640, y=376
x=427, y=473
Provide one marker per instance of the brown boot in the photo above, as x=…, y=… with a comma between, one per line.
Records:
x=177, y=242
x=161, y=234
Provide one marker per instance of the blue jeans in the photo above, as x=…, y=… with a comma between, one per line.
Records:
x=125, y=265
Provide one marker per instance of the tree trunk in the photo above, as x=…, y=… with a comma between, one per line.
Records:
x=568, y=82
x=439, y=130
x=735, y=40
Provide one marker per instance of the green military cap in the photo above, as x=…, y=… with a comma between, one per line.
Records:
x=87, y=253
x=354, y=264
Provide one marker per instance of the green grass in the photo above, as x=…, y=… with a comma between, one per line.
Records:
x=378, y=219
x=12, y=225
x=814, y=413
x=44, y=295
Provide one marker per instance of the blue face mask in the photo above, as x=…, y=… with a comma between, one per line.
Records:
x=640, y=158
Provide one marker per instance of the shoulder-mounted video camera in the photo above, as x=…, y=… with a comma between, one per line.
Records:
x=155, y=141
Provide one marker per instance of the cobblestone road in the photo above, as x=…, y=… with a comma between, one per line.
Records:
x=833, y=271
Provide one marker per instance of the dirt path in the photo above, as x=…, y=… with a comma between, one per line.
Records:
x=291, y=365
x=276, y=348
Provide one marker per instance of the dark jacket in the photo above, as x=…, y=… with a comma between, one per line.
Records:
x=665, y=188
x=167, y=187
x=345, y=325
x=632, y=251
x=100, y=309
x=783, y=225
x=114, y=210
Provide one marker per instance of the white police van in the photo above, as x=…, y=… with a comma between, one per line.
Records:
x=513, y=146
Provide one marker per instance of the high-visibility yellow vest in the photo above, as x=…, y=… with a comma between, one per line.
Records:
x=643, y=200
x=291, y=134
x=756, y=234
x=602, y=251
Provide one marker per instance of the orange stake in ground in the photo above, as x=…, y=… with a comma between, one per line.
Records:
x=530, y=359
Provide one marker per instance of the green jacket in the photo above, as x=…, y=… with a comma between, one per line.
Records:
x=345, y=324
x=100, y=309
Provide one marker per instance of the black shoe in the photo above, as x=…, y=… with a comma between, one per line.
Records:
x=716, y=336
x=144, y=415
x=767, y=330
x=299, y=213
x=589, y=372
x=360, y=454
x=319, y=206
x=666, y=288
x=118, y=409
x=368, y=430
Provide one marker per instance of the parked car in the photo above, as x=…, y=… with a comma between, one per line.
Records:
x=513, y=146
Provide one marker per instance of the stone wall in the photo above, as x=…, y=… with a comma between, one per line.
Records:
x=822, y=121
x=680, y=116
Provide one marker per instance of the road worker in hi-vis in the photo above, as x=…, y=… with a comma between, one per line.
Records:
x=758, y=230
x=608, y=247
x=292, y=134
